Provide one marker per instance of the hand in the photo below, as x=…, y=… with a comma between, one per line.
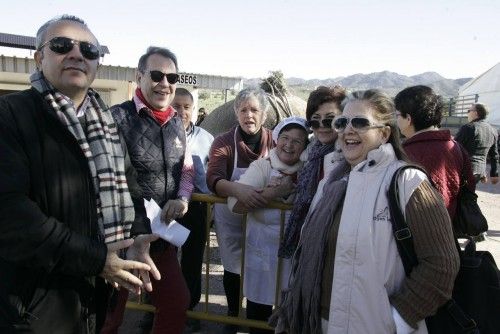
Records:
x=174, y=208
x=494, y=179
x=484, y=179
x=250, y=197
x=285, y=188
x=139, y=251
x=274, y=181
x=116, y=270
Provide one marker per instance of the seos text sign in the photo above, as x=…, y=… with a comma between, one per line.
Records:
x=187, y=79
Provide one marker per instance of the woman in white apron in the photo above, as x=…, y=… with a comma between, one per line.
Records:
x=230, y=155
x=276, y=175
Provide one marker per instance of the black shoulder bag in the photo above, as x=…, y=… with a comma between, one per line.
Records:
x=468, y=220
x=475, y=303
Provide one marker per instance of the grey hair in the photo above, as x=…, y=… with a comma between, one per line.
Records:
x=42, y=31
x=249, y=92
x=156, y=50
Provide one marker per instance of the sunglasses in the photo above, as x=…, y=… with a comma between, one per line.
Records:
x=63, y=45
x=158, y=76
x=359, y=124
x=315, y=124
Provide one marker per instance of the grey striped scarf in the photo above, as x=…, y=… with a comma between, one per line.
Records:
x=300, y=308
x=101, y=146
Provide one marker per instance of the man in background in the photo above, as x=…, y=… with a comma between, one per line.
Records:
x=198, y=142
x=479, y=138
x=201, y=116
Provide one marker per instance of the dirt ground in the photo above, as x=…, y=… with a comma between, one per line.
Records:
x=489, y=201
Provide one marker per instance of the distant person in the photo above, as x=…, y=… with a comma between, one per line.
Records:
x=419, y=111
x=157, y=143
x=479, y=138
x=66, y=182
x=201, y=116
x=230, y=155
x=198, y=142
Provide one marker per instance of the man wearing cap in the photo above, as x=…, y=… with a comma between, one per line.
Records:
x=65, y=193
x=157, y=144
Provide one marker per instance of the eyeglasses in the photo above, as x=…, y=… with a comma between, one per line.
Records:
x=158, y=76
x=470, y=110
x=315, y=123
x=63, y=45
x=359, y=124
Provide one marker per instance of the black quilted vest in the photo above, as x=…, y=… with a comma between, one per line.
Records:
x=157, y=152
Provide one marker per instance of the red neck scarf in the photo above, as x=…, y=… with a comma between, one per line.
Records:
x=161, y=116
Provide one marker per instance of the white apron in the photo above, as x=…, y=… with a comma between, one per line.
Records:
x=229, y=226
x=261, y=256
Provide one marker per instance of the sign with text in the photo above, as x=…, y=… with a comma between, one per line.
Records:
x=187, y=79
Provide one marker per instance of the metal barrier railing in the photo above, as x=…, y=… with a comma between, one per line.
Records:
x=205, y=314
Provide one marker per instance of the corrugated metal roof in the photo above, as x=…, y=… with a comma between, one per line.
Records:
x=27, y=42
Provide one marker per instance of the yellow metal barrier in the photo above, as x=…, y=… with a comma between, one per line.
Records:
x=205, y=314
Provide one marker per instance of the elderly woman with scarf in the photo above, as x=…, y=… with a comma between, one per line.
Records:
x=275, y=175
x=347, y=275
x=323, y=105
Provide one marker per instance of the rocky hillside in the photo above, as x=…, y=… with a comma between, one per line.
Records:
x=388, y=81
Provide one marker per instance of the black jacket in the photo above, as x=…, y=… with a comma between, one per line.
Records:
x=480, y=140
x=49, y=244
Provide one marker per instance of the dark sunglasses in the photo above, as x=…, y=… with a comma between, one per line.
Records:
x=360, y=124
x=158, y=76
x=63, y=45
x=315, y=124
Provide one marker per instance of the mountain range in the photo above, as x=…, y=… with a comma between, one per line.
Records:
x=390, y=82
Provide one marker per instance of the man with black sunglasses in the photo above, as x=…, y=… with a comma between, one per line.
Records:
x=68, y=200
x=157, y=143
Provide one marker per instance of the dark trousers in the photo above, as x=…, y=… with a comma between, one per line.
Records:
x=193, y=249
x=231, y=282
x=262, y=312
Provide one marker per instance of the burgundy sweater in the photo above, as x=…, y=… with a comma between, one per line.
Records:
x=443, y=159
x=221, y=156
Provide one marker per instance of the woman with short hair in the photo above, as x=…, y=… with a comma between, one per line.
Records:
x=419, y=111
x=230, y=155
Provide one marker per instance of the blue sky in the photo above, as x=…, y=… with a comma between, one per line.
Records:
x=308, y=39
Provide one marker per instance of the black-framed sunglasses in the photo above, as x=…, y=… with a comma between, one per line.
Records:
x=315, y=124
x=63, y=45
x=359, y=124
x=158, y=76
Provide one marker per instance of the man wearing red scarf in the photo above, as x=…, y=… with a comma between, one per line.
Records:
x=157, y=144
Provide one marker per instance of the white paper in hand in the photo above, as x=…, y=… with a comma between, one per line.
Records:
x=173, y=232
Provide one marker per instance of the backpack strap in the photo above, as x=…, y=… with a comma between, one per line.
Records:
x=400, y=229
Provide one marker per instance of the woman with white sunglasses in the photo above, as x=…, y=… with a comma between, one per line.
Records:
x=347, y=275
